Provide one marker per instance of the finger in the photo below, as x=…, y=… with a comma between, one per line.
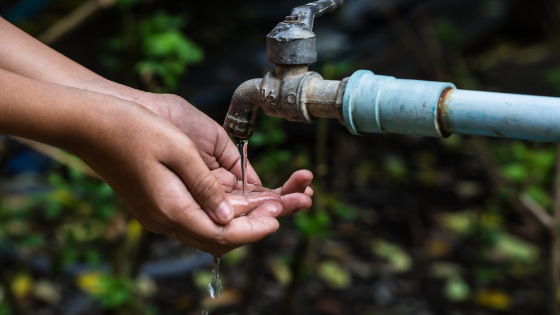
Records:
x=240, y=231
x=297, y=183
x=294, y=203
x=308, y=191
x=203, y=186
x=243, y=204
x=269, y=209
x=231, y=183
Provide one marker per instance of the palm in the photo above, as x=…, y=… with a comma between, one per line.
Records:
x=221, y=155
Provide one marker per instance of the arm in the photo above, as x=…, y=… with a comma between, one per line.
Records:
x=28, y=57
x=24, y=55
x=150, y=164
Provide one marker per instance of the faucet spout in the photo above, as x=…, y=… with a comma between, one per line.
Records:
x=240, y=119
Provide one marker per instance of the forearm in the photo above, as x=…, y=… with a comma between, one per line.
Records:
x=26, y=56
x=58, y=115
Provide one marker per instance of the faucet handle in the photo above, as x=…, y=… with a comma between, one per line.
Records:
x=307, y=13
x=292, y=42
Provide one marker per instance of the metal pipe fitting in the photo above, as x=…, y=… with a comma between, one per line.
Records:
x=291, y=92
x=240, y=119
x=381, y=104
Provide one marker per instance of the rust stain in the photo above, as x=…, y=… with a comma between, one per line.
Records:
x=498, y=133
x=441, y=112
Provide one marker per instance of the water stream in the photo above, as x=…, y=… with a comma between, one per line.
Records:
x=215, y=285
x=242, y=148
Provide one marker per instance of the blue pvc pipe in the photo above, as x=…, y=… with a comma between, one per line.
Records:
x=382, y=104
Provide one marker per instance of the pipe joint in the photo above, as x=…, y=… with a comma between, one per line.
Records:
x=383, y=104
x=290, y=92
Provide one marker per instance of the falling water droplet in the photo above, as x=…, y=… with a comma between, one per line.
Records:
x=215, y=285
x=242, y=148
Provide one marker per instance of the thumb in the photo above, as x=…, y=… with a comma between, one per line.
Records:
x=203, y=186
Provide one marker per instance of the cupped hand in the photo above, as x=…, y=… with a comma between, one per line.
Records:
x=159, y=174
x=220, y=154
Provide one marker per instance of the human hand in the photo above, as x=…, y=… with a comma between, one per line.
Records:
x=221, y=155
x=153, y=166
x=157, y=171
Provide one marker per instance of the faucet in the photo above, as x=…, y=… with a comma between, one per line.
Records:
x=290, y=91
x=370, y=103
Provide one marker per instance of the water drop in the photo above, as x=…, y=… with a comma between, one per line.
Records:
x=242, y=148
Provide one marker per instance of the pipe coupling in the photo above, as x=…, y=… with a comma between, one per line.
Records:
x=290, y=92
x=383, y=104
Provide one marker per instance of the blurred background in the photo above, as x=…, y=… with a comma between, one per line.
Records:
x=400, y=225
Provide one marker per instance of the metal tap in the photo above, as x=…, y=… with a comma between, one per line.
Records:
x=290, y=91
x=369, y=103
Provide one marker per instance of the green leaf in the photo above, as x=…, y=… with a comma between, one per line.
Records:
x=516, y=249
x=444, y=270
x=396, y=167
x=281, y=272
x=68, y=256
x=93, y=257
x=118, y=293
x=457, y=290
x=235, y=256
x=334, y=275
x=201, y=280
x=33, y=240
x=309, y=223
x=485, y=275
x=399, y=260
x=105, y=190
x=5, y=309
x=516, y=172
x=460, y=222
x=342, y=210
x=258, y=139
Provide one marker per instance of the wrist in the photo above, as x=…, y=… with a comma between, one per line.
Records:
x=104, y=86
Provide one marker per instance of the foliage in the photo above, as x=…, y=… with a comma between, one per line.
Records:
x=165, y=51
x=530, y=168
x=334, y=275
x=399, y=260
x=77, y=221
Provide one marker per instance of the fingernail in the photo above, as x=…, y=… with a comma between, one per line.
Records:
x=224, y=212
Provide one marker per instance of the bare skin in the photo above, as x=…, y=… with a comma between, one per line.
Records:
x=174, y=167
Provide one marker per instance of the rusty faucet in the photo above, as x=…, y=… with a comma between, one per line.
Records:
x=290, y=91
x=369, y=103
